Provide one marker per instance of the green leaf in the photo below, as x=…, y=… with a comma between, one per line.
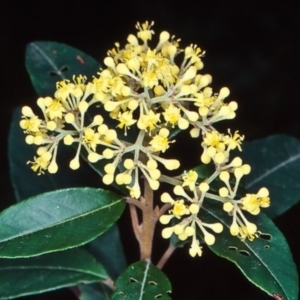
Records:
x=108, y=250
x=49, y=62
x=266, y=262
x=20, y=277
x=57, y=220
x=94, y=291
x=142, y=281
x=275, y=163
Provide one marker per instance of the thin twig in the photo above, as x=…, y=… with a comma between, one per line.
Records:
x=165, y=256
x=164, y=209
x=134, y=202
x=135, y=222
x=170, y=180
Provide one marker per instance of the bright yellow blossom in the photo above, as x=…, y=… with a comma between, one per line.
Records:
x=160, y=141
x=189, y=179
x=253, y=202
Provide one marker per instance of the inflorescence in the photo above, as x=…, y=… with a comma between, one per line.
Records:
x=155, y=90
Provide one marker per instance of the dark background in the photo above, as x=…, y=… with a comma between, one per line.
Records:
x=251, y=47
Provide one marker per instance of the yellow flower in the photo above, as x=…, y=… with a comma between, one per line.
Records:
x=160, y=141
x=195, y=249
x=179, y=209
x=148, y=121
x=214, y=139
x=135, y=190
x=172, y=114
x=65, y=88
x=245, y=234
x=145, y=31
x=233, y=141
x=204, y=101
x=91, y=138
x=54, y=109
x=31, y=125
x=126, y=120
x=190, y=179
x=150, y=79
x=117, y=87
x=40, y=164
x=253, y=202
x=213, y=148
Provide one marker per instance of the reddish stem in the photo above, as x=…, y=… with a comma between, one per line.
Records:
x=165, y=256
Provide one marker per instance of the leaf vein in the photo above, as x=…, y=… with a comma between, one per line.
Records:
x=144, y=280
x=272, y=170
x=48, y=60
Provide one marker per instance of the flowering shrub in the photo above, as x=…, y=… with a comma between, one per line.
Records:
x=122, y=121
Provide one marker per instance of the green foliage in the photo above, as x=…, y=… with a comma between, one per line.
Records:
x=143, y=281
x=61, y=219
x=266, y=261
x=94, y=291
x=275, y=162
x=49, y=62
x=20, y=277
x=108, y=250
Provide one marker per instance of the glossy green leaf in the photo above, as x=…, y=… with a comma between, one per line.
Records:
x=19, y=277
x=267, y=261
x=95, y=291
x=57, y=220
x=49, y=62
x=275, y=163
x=108, y=250
x=142, y=281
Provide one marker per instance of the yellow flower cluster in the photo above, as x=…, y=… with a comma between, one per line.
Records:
x=187, y=208
x=189, y=205
x=164, y=92
x=154, y=90
x=140, y=86
x=64, y=118
x=216, y=146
